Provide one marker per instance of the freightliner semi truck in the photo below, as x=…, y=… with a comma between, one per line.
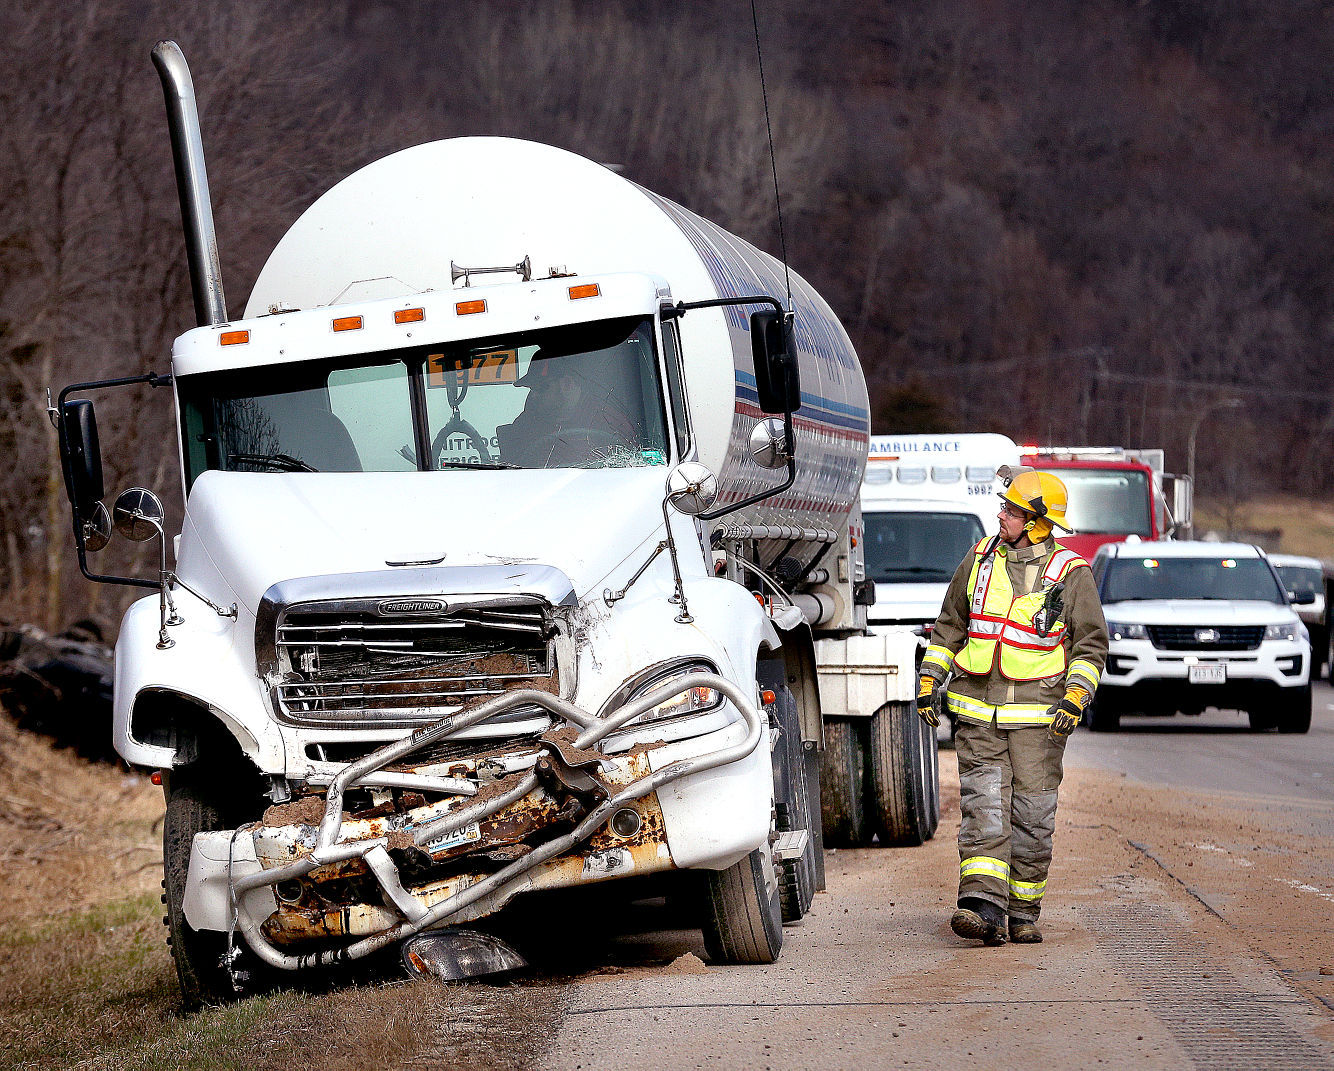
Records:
x=514, y=506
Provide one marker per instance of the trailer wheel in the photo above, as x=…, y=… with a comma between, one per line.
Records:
x=191, y=809
x=743, y=921
x=793, y=809
x=905, y=775
x=842, y=787
x=1295, y=714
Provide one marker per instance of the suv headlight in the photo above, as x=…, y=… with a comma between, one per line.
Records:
x=1285, y=632
x=1119, y=631
x=683, y=704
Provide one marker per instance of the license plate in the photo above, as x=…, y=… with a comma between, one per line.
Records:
x=1209, y=674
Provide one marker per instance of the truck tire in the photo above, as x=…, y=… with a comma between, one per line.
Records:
x=842, y=787
x=1294, y=716
x=743, y=922
x=905, y=776
x=793, y=809
x=205, y=980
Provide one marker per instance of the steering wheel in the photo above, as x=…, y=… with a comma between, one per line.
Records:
x=571, y=441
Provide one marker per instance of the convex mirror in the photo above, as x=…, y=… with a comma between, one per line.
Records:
x=768, y=444
x=692, y=488
x=138, y=514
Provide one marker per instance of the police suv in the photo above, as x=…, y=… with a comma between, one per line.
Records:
x=1195, y=625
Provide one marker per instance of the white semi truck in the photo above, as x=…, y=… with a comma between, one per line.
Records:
x=495, y=574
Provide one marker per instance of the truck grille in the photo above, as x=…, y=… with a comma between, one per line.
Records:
x=1206, y=637
x=357, y=667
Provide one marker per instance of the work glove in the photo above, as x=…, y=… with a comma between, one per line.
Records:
x=928, y=699
x=1065, y=715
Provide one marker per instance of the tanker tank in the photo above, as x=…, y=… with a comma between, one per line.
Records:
x=496, y=201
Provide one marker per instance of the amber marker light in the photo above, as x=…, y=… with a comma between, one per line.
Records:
x=347, y=323
x=467, y=308
x=584, y=290
x=234, y=338
x=409, y=316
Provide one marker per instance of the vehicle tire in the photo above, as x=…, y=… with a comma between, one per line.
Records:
x=743, y=921
x=1262, y=720
x=194, y=807
x=1103, y=716
x=793, y=809
x=842, y=787
x=904, y=776
x=1294, y=716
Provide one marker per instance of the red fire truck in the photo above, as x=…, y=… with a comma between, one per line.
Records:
x=1115, y=493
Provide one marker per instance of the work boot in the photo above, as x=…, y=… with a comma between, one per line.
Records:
x=979, y=920
x=1023, y=932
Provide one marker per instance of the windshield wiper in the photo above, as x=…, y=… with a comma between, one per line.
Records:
x=478, y=465
x=281, y=462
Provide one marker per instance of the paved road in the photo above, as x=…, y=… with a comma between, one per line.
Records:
x=1217, y=751
x=1189, y=922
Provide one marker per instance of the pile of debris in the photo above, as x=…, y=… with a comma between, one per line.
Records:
x=60, y=685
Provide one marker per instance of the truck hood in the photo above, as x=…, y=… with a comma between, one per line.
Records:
x=1197, y=612
x=248, y=531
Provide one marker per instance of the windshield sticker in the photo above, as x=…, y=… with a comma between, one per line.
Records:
x=498, y=366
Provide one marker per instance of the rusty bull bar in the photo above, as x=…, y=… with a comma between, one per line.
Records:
x=374, y=851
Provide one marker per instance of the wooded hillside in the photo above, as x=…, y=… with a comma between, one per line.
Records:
x=1067, y=221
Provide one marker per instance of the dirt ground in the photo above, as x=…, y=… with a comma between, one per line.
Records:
x=1184, y=929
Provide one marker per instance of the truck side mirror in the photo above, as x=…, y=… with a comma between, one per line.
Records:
x=81, y=455
x=777, y=379
x=1301, y=598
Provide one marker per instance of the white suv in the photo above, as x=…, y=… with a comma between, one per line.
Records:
x=1195, y=625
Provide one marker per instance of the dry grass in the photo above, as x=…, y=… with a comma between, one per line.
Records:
x=1307, y=526
x=86, y=980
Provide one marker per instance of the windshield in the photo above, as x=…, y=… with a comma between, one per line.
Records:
x=917, y=547
x=1302, y=579
x=1190, y=578
x=585, y=396
x=1106, y=500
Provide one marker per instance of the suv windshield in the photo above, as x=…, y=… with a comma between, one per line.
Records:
x=1190, y=578
x=1106, y=500
x=586, y=396
x=917, y=547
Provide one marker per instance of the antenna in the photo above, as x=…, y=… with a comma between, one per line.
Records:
x=773, y=164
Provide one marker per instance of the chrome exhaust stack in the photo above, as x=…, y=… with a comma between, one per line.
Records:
x=187, y=150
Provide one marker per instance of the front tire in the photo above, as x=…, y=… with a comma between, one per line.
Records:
x=905, y=775
x=196, y=805
x=744, y=922
x=1295, y=714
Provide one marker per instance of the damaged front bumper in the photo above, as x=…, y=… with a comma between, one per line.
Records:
x=311, y=885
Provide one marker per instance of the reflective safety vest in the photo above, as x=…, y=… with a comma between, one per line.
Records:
x=999, y=622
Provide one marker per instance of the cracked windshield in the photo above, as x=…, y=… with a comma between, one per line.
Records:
x=585, y=396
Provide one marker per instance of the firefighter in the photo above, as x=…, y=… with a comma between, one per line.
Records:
x=1016, y=653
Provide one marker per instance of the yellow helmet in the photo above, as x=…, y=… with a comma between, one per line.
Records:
x=1041, y=495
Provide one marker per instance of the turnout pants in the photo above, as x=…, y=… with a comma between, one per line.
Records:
x=1008, y=781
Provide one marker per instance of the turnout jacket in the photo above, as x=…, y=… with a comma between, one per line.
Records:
x=1007, y=668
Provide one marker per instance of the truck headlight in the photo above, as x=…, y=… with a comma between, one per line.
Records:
x=1284, y=632
x=683, y=704
x=1127, y=632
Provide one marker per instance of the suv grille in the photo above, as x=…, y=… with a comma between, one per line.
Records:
x=1206, y=637
x=355, y=667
